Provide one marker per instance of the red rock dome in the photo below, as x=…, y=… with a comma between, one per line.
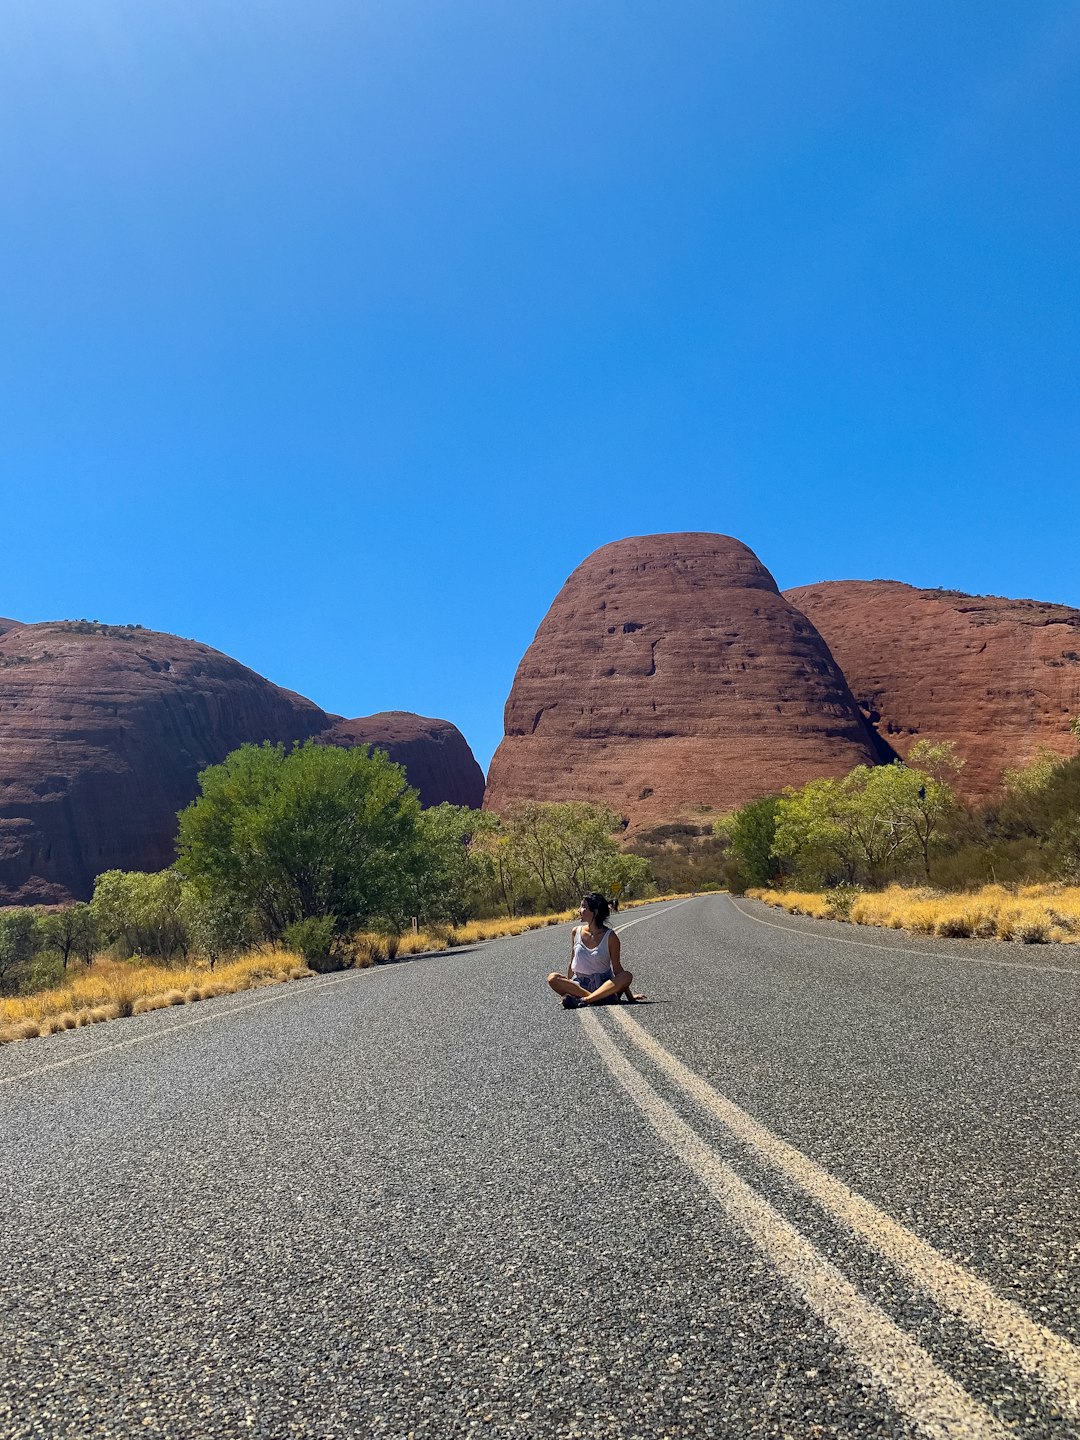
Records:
x=670, y=674
x=436, y=756
x=103, y=729
x=999, y=677
x=103, y=732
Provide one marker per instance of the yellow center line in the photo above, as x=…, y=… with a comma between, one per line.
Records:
x=900, y=950
x=1048, y=1358
x=913, y=1381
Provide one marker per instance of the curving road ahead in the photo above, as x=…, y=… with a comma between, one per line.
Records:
x=825, y=1185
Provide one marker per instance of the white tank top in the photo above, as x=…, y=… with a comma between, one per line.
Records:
x=590, y=962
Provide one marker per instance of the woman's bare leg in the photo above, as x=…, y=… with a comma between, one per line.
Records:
x=619, y=987
x=562, y=986
x=615, y=988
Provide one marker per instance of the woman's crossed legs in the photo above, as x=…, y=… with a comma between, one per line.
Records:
x=613, y=987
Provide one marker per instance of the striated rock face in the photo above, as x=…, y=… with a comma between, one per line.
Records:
x=670, y=673
x=435, y=754
x=103, y=732
x=999, y=677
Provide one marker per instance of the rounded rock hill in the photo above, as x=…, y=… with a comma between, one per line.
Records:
x=671, y=675
x=435, y=754
x=105, y=728
x=998, y=677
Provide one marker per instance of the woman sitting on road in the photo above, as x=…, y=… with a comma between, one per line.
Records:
x=595, y=975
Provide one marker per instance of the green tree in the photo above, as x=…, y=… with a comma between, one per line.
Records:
x=882, y=798
x=929, y=800
x=456, y=870
x=841, y=829
x=561, y=848
x=318, y=831
x=632, y=873
x=871, y=823
x=751, y=831
x=19, y=942
x=508, y=877
x=215, y=922
x=70, y=931
x=814, y=831
x=1026, y=783
x=141, y=913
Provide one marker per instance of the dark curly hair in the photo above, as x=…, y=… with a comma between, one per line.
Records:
x=598, y=905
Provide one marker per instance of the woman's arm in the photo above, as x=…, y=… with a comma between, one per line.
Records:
x=573, y=942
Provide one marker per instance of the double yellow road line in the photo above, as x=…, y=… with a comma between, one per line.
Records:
x=907, y=1373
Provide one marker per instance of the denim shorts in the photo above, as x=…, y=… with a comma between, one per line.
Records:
x=593, y=982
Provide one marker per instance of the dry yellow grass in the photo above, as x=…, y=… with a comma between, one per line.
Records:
x=446, y=937
x=111, y=988
x=1030, y=914
x=371, y=948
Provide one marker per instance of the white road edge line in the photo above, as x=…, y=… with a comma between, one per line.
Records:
x=222, y=1014
x=1046, y=1357
x=652, y=916
x=899, y=950
x=913, y=1381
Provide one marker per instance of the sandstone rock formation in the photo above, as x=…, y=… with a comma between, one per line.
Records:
x=999, y=677
x=104, y=729
x=435, y=754
x=669, y=674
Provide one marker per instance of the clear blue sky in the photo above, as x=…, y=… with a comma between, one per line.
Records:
x=336, y=333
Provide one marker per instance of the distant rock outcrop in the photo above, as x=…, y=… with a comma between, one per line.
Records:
x=104, y=729
x=999, y=677
x=670, y=674
x=435, y=754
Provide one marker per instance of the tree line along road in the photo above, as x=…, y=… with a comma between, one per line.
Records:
x=824, y=1185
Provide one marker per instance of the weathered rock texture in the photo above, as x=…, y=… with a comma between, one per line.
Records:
x=104, y=729
x=999, y=677
x=670, y=673
x=435, y=754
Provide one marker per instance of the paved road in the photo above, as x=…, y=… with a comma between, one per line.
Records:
x=818, y=1188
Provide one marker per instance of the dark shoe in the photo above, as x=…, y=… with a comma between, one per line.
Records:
x=571, y=1002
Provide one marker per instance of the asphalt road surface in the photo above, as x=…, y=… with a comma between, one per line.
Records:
x=825, y=1184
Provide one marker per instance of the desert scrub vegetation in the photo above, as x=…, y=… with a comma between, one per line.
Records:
x=108, y=989
x=903, y=824
x=1027, y=914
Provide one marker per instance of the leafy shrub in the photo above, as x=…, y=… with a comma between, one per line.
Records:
x=840, y=899
x=313, y=939
x=735, y=877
